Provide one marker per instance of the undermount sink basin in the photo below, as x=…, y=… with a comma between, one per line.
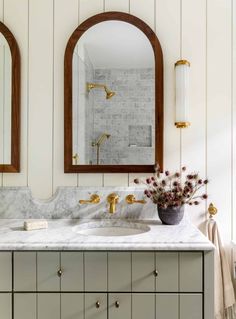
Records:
x=110, y=228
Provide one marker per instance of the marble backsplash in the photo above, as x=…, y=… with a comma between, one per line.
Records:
x=18, y=203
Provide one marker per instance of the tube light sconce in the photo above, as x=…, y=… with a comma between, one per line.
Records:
x=182, y=68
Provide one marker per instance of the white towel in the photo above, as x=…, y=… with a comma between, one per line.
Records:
x=224, y=291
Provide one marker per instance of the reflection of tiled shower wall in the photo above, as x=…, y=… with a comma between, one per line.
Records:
x=128, y=116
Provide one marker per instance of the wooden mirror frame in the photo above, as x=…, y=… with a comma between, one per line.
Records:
x=68, y=144
x=14, y=166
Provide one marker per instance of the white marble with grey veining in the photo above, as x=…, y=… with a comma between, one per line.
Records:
x=17, y=202
x=60, y=235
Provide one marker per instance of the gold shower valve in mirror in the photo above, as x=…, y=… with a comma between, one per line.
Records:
x=94, y=199
x=130, y=199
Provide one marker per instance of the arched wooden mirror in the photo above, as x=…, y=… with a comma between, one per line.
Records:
x=9, y=102
x=113, y=85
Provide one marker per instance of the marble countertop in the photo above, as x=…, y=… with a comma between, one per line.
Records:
x=60, y=235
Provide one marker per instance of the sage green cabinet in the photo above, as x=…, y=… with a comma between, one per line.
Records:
x=25, y=271
x=119, y=271
x=6, y=271
x=143, y=267
x=72, y=267
x=167, y=266
x=95, y=265
x=72, y=306
x=5, y=306
x=167, y=306
x=95, y=306
x=119, y=306
x=25, y=306
x=48, y=306
x=143, y=306
x=191, y=306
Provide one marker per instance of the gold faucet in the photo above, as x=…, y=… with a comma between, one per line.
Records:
x=130, y=199
x=94, y=199
x=112, y=199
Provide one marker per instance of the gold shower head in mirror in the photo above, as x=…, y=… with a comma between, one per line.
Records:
x=109, y=94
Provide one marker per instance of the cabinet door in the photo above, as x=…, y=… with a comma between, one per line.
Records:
x=25, y=306
x=119, y=271
x=167, y=306
x=48, y=265
x=143, y=306
x=191, y=306
x=72, y=306
x=25, y=271
x=72, y=278
x=167, y=265
x=5, y=306
x=143, y=266
x=119, y=306
x=95, y=268
x=48, y=306
x=95, y=306
x=190, y=272
x=6, y=271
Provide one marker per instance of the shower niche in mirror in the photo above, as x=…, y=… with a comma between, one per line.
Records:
x=9, y=102
x=113, y=96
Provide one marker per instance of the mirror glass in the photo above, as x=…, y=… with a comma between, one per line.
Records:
x=113, y=88
x=5, y=101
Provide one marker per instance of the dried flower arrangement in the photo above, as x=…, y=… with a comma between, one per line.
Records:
x=174, y=190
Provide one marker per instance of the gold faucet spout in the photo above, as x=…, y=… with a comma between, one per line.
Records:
x=112, y=199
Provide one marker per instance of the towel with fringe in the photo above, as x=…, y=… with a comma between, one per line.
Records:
x=225, y=307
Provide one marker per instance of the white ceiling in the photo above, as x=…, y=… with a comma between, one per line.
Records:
x=116, y=44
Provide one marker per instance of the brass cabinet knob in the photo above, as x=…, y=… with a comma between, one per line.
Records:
x=117, y=304
x=97, y=304
x=59, y=273
x=130, y=199
x=155, y=272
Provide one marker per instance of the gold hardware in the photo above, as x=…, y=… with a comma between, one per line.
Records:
x=94, y=199
x=112, y=199
x=117, y=304
x=182, y=62
x=212, y=210
x=155, y=272
x=109, y=94
x=98, y=143
x=97, y=304
x=59, y=273
x=182, y=124
x=76, y=158
x=130, y=199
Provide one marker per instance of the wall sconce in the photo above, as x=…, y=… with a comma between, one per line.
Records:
x=182, y=68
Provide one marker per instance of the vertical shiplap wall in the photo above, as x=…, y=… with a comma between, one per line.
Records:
x=198, y=30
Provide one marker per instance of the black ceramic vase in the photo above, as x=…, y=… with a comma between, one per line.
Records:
x=171, y=215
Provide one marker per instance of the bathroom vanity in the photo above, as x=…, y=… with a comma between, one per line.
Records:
x=164, y=272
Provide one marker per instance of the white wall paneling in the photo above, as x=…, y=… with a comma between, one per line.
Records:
x=219, y=109
x=65, y=21
x=193, y=48
x=40, y=133
x=199, y=30
x=114, y=5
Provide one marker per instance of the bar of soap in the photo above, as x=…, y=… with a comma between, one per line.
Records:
x=35, y=224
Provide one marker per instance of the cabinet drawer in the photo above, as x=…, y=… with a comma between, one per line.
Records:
x=95, y=306
x=25, y=306
x=95, y=268
x=143, y=266
x=5, y=306
x=190, y=275
x=119, y=271
x=72, y=278
x=48, y=306
x=24, y=271
x=72, y=306
x=191, y=306
x=143, y=306
x=48, y=264
x=167, y=265
x=6, y=271
x=167, y=306
x=119, y=306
